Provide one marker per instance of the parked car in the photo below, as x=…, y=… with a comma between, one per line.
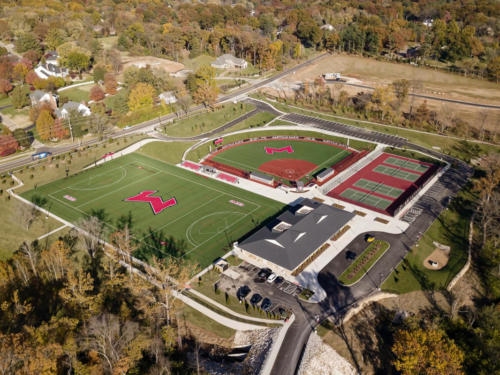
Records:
x=264, y=273
x=271, y=278
x=369, y=237
x=243, y=291
x=351, y=255
x=255, y=299
x=266, y=304
x=278, y=280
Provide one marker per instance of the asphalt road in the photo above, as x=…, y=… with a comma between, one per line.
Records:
x=428, y=97
x=340, y=298
x=56, y=150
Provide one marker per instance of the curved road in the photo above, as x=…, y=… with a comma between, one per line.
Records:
x=9, y=165
x=340, y=298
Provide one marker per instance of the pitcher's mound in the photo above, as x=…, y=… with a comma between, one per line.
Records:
x=438, y=258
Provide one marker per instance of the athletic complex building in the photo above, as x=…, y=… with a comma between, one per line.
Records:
x=299, y=234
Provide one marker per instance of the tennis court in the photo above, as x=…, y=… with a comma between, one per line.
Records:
x=398, y=173
x=378, y=187
x=407, y=164
x=366, y=198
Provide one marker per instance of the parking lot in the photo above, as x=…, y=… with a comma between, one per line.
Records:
x=281, y=293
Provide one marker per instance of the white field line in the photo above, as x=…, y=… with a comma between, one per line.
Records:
x=228, y=322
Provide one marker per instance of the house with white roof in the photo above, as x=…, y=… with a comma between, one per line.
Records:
x=168, y=97
x=51, y=67
x=38, y=97
x=70, y=106
x=228, y=61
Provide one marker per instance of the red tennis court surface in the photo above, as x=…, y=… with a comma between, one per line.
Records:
x=385, y=184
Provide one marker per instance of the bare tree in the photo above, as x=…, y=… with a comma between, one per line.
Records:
x=445, y=118
x=32, y=255
x=415, y=86
x=185, y=102
x=117, y=342
x=93, y=234
x=483, y=115
x=26, y=214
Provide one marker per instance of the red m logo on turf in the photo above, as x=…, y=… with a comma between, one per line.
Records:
x=157, y=204
x=272, y=150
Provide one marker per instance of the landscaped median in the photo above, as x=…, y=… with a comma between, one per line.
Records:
x=365, y=261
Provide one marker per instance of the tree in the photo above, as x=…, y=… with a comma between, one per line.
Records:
x=55, y=37
x=19, y=72
x=96, y=93
x=8, y=145
x=426, y=351
x=141, y=96
x=185, y=102
x=114, y=59
x=22, y=137
x=5, y=87
x=59, y=130
x=44, y=125
x=110, y=84
x=308, y=31
x=31, y=78
x=381, y=101
x=494, y=68
x=26, y=42
x=98, y=73
x=5, y=68
x=118, y=343
x=19, y=97
x=401, y=89
x=77, y=61
x=206, y=94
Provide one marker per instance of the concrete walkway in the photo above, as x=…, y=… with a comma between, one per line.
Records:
x=228, y=310
x=231, y=323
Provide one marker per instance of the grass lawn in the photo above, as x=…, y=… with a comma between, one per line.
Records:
x=259, y=119
x=250, y=156
x=47, y=170
x=202, y=220
x=204, y=149
x=77, y=94
x=200, y=320
x=368, y=258
x=168, y=152
x=13, y=231
x=4, y=100
x=462, y=149
x=451, y=228
x=144, y=115
x=205, y=122
x=206, y=286
x=197, y=62
x=13, y=112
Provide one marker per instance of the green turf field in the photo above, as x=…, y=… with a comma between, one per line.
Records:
x=378, y=187
x=398, y=173
x=249, y=156
x=366, y=198
x=203, y=217
x=407, y=164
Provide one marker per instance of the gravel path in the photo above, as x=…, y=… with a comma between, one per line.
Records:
x=319, y=358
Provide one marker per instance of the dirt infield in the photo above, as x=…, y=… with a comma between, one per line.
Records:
x=290, y=169
x=439, y=256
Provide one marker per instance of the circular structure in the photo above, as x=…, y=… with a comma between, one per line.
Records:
x=101, y=181
x=210, y=225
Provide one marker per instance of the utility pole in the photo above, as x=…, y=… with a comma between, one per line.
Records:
x=71, y=129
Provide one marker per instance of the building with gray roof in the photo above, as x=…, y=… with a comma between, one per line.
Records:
x=286, y=242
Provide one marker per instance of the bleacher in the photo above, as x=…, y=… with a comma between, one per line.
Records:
x=190, y=165
x=226, y=177
x=227, y=168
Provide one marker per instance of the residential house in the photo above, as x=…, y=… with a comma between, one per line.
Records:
x=50, y=70
x=38, y=96
x=168, y=97
x=73, y=106
x=228, y=61
x=327, y=27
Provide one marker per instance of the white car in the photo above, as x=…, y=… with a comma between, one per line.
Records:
x=271, y=278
